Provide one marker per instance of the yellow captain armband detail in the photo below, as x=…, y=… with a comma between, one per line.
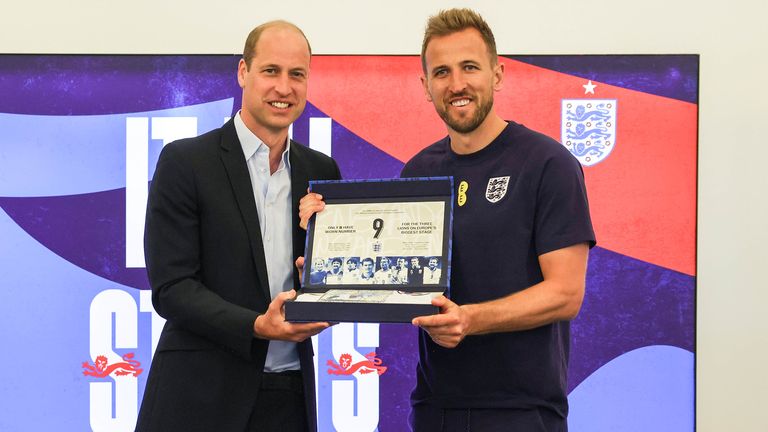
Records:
x=462, y=198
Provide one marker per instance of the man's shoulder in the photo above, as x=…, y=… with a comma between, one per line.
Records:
x=201, y=143
x=544, y=145
x=313, y=161
x=429, y=156
x=194, y=151
x=306, y=152
x=533, y=151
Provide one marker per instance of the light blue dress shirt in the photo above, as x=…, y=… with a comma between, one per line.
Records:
x=273, y=202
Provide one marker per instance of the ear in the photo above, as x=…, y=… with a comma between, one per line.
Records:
x=242, y=69
x=425, y=84
x=498, y=76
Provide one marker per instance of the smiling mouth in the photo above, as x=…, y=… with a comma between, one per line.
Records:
x=280, y=105
x=460, y=102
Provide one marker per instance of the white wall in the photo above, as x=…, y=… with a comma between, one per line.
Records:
x=732, y=338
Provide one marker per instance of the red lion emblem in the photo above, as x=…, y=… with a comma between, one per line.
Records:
x=345, y=366
x=101, y=367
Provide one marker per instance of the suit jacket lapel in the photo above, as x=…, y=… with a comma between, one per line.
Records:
x=240, y=180
x=299, y=182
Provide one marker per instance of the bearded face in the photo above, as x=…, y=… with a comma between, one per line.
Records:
x=465, y=122
x=460, y=78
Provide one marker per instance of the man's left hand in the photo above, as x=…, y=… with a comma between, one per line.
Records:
x=447, y=328
x=309, y=204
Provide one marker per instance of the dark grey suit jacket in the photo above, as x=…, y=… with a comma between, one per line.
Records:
x=206, y=265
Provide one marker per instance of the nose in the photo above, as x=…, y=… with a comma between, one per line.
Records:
x=457, y=83
x=283, y=85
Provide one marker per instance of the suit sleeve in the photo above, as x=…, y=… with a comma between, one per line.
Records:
x=173, y=257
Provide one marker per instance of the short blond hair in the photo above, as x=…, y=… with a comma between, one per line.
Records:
x=249, y=51
x=455, y=20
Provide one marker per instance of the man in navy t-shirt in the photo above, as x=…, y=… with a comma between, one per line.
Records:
x=496, y=356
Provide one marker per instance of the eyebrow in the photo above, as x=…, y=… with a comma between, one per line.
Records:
x=461, y=63
x=277, y=66
x=436, y=68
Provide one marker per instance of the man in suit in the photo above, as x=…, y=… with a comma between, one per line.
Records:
x=221, y=239
x=402, y=271
x=415, y=273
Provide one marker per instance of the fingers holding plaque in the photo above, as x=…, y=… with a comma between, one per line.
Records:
x=378, y=252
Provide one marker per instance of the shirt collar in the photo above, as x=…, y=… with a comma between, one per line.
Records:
x=252, y=144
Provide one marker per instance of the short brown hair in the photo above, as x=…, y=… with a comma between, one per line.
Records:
x=249, y=52
x=455, y=20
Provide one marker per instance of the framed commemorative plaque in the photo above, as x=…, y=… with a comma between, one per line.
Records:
x=380, y=251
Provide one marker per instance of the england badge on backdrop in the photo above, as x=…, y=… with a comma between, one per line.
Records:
x=589, y=128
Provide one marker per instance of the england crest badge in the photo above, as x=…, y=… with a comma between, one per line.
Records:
x=497, y=188
x=589, y=128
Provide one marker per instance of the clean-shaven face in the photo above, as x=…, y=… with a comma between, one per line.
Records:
x=275, y=84
x=367, y=267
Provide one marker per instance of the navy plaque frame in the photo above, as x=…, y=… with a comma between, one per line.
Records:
x=380, y=251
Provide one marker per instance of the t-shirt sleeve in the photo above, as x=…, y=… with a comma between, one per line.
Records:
x=562, y=210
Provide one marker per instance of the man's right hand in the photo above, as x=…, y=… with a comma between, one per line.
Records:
x=273, y=326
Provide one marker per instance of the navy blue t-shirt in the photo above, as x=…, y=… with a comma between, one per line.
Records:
x=521, y=196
